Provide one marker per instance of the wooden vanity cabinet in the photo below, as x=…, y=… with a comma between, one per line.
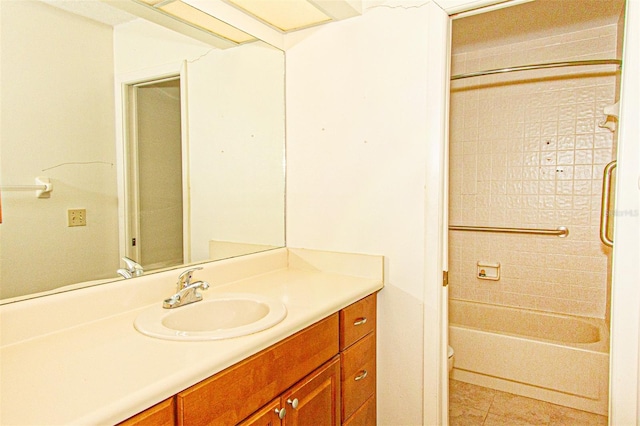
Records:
x=318, y=398
x=314, y=401
x=161, y=414
x=365, y=415
x=356, y=398
x=269, y=415
x=235, y=393
x=357, y=320
x=327, y=370
x=358, y=359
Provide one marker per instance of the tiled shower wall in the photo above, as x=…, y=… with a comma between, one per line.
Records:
x=526, y=151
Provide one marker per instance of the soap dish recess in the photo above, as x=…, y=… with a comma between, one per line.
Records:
x=488, y=271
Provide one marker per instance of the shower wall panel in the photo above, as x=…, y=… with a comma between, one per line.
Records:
x=526, y=151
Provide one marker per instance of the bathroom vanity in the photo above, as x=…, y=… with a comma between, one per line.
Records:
x=324, y=374
x=76, y=358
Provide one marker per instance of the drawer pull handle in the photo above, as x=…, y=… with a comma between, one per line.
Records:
x=281, y=413
x=361, y=376
x=293, y=403
x=360, y=321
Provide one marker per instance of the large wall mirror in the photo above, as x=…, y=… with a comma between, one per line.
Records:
x=68, y=86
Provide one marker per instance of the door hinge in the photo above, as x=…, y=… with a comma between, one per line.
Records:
x=445, y=278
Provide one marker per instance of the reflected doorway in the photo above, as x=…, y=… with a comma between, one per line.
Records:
x=154, y=173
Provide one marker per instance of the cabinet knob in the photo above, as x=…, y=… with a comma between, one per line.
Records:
x=360, y=321
x=281, y=412
x=293, y=403
x=361, y=376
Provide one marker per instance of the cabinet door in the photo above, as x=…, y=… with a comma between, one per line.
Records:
x=266, y=416
x=316, y=399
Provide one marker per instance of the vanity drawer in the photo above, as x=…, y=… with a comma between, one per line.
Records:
x=358, y=375
x=365, y=415
x=233, y=394
x=357, y=320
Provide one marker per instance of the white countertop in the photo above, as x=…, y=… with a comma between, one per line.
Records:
x=103, y=371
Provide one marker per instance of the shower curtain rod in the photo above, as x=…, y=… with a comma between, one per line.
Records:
x=539, y=66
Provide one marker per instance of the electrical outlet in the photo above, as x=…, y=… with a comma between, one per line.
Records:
x=77, y=217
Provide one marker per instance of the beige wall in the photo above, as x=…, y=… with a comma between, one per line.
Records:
x=356, y=155
x=57, y=121
x=236, y=133
x=235, y=103
x=526, y=151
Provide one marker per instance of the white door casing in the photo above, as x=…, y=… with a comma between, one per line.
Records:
x=625, y=291
x=625, y=334
x=435, y=374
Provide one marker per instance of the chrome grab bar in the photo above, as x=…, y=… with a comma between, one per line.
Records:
x=604, y=203
x=561, y=231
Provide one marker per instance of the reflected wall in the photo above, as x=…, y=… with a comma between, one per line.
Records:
x=56, y=121
x=235, y=123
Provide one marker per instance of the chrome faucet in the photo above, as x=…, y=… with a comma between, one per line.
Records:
x=186, y=291
x=124, y=273
x=134, y=268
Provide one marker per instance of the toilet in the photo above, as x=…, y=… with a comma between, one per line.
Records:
x=450, y=358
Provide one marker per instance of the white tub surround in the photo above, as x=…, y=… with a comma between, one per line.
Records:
x=75, y=358
x=556, y=358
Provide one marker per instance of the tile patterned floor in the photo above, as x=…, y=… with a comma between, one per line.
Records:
x=471, y=405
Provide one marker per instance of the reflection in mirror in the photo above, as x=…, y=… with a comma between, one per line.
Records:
x=153, y=174
x=60, y=120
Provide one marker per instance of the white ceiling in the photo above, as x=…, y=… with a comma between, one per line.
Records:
x=284, y=15
x=93, y=9
x=219, y=23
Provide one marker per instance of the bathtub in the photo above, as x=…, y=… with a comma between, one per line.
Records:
x=560, y=359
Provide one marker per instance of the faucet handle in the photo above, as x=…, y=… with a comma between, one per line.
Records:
x=125, y=273
x=185, y=278
x=134, y=267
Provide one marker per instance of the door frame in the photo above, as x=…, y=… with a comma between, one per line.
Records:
x=625, y=287
x=625, y=300
x=132, y=170
x=122, y=84
x=435, y=299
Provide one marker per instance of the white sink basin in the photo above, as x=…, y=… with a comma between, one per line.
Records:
x=220, y=316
